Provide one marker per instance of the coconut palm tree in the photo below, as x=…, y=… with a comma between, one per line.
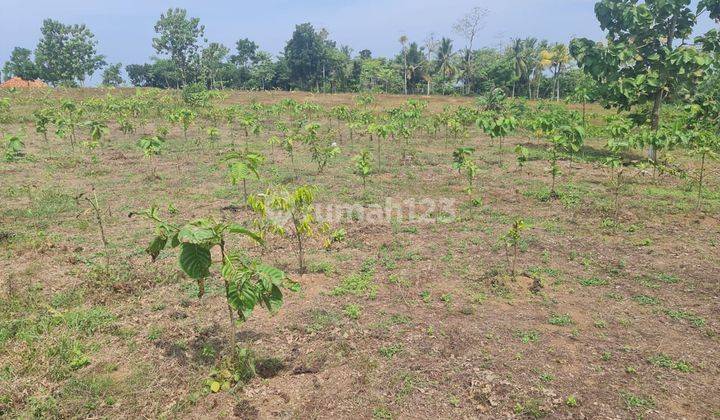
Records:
x=560, y=59
x=541, y=64
x=445, y=55
x=517, y=53
x=531, y=58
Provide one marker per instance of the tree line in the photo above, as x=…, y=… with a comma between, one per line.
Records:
x=67, y=55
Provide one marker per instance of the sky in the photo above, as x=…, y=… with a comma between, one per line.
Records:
x=124, y=28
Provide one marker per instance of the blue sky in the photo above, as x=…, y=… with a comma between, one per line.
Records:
x=124, y=28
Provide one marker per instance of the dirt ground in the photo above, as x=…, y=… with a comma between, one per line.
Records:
x=605, y=319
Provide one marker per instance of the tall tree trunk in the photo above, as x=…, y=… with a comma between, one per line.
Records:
x=655, y=121
x=657, y=103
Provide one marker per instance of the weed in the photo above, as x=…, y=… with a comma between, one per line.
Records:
x=391, y=350
x=662, y=360
x=352, y=311
x=528, y=336
x=561, y=320
x=594, y=281
x=633, y=401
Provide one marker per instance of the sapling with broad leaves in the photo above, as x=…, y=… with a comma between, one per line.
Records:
x=322, y=151
x=185, y=117
x=213, y=134
x=126, y=126
x=512, y=241
x=243, y=166
x=14, y=148
x=292, y=214
x=43, y=118
x=706, y=145
x=67, y=121
x=522, y=155
x=248, y=282
x=471, y=170
x=362, y=166
x=97, y=130
x=619, y=143
x=381, y=132
x=565, y=138
x=151, y=146
x=498, y=126
x=460, y=155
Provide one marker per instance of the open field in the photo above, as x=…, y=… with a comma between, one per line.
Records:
x=398, y=318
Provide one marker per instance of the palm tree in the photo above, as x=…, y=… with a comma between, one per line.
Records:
x=560, y=60
x=541, y=64
x=520, y=66
x=530, y=57
x=445, y=54
x=403, y=42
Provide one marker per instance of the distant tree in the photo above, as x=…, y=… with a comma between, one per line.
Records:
x=517, y=51
x=246, y=53
x=537, y=65
x=445, y=64
x=179, y=37
x=304, y=54
x=559, y=60
x=417, y=66
x=212, y=62
x=264, y=70
x=138, y=74
x=492, y=69
x=431, y=45
x=21, y=65
x=468, y=27
x=365, y=54
x=111, y=75
x=66, y=54
x=403, y=41
x=160, y=73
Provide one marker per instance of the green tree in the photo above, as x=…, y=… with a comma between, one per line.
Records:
x=642, y=63
x=178, y=37
x=304, y=54
x=212, y=62
x=66, y=54
x=111, y=75
x=445, y=59
x=518, y=53
x=21, y=65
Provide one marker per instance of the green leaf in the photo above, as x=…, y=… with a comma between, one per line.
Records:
x=239, y=229
x=195, y=260
x=270, y=274
x=233, y=297
x=199, y=232
x=215, y=386
x=274, y=300
x=157, y=245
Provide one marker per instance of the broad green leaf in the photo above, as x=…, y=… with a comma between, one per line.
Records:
x=195, y=260
x=239, y=229
x=195, y=234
